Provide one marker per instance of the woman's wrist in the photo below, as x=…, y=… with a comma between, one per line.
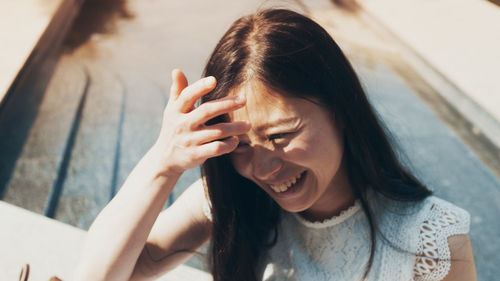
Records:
x=160, y=165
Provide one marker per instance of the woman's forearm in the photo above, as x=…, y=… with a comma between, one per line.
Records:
x=117, y=236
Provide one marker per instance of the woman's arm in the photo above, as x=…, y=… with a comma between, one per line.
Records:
x=462, y=261
x=186, y=218
x=118, y=235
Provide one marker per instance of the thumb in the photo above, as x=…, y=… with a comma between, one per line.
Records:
x=179, y=82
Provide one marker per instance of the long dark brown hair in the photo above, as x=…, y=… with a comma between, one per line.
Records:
x=293, y=56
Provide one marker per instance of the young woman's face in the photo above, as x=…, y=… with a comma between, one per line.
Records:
x=293, y=151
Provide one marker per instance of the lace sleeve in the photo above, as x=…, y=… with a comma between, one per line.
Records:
x=443, y=220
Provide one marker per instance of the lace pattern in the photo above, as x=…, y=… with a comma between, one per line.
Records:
x=344, y=215
x=337, y=248
x=433, y=262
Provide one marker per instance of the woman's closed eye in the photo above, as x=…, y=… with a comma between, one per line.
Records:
x=280, y=138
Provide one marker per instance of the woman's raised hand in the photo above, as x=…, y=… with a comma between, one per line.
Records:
x=185, y=141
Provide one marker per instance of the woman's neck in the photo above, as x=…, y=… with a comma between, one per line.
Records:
x=336, y=198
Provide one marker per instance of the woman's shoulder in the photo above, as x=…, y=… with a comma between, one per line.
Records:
x=434, y=200
x=431, y=217
x=440, y=221
x=431, y=210
x=424, y=228
x=442, y=217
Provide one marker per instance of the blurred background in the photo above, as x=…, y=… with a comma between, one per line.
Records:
x=83, y=84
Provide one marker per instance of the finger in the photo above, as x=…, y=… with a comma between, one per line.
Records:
x=220, y=131
x=220, y=147
x=179, y=82
x=212, y=109
x=193, y=92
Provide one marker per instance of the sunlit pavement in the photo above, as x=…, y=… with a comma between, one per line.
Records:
x=460, y=40
x=102, y=111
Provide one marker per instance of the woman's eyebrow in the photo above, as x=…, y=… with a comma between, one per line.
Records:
x=280, y=122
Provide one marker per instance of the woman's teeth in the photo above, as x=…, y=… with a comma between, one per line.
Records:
x=286, y=185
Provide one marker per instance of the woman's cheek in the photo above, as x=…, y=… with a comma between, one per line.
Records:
x=242, y=163
x=298, y=150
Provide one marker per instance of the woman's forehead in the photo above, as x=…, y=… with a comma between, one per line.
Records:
x=262, y=104
x=265, y=108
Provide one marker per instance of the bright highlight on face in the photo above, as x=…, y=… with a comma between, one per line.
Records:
x=293, y=151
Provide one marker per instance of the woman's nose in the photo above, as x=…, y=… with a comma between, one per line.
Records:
x=265, y=163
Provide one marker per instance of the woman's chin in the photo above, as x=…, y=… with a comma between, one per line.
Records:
x=294, y=208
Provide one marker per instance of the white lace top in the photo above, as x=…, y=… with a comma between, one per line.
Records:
x=339, y=248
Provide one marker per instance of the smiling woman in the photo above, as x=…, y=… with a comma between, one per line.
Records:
x=293, y=152
x=300, y=181
x=320, y=201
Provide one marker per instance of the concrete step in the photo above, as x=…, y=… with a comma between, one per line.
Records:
x=51, y=248
x=87, y=185
x=39, y=165
x=29, y=31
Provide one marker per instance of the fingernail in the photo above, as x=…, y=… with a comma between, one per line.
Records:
x=209, y=80
x=240, y=99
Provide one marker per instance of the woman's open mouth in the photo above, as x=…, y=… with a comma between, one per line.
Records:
x=288, y=186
